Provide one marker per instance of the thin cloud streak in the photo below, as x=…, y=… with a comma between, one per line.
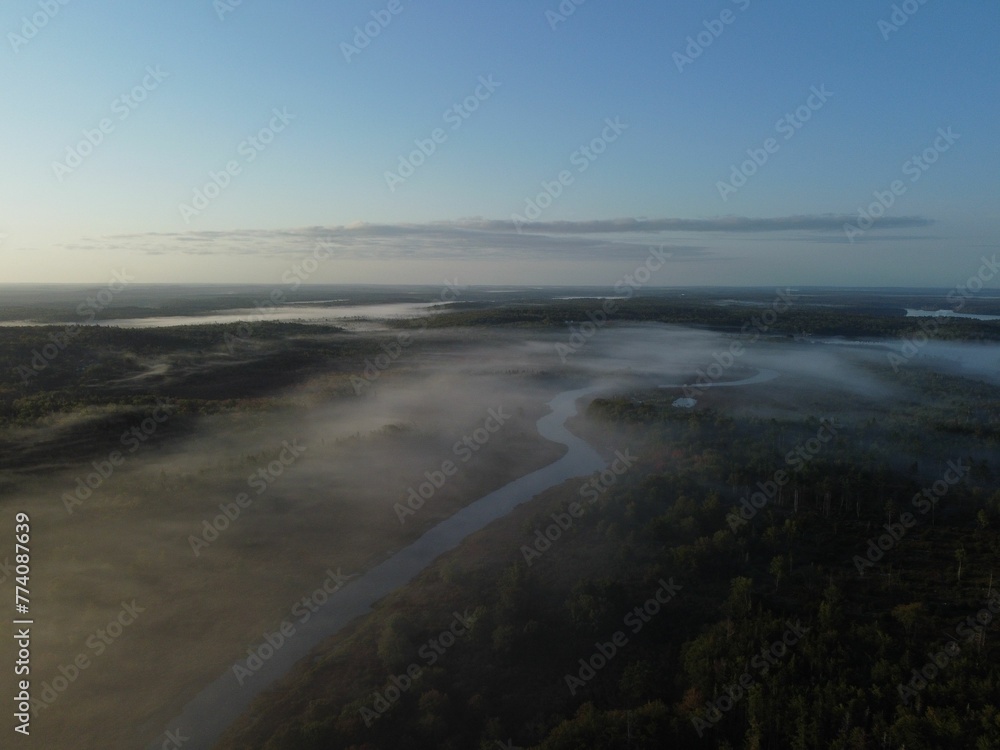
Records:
x=478, y=238
x=819, y=223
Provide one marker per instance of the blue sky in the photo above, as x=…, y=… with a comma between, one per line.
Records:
x=554, y=84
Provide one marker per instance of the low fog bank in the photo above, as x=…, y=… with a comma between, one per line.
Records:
x=311, y=485
x=967, y=360
x=323, y=480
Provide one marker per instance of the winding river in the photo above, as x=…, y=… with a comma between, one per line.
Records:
x=222, y=702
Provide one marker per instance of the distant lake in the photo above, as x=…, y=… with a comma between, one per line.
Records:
x=911, y=313
x=299, y=312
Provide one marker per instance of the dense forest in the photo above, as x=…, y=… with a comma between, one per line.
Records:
x=831, y=585
x=814, y=577
x=51, y=369
x=799, y=319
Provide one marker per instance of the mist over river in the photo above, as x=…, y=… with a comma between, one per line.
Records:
x=224, y=700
